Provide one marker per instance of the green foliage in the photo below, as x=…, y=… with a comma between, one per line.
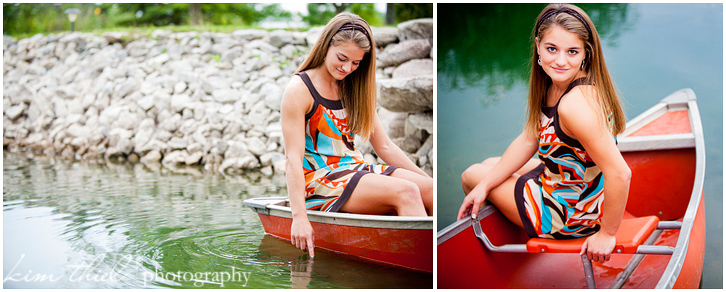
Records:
x=368, y=12
x=133, y=14
x=320, y=13
x=408, y=11
x=241, y=13
x=27, y=19
x=35, y=18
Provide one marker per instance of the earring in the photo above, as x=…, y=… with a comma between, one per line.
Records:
x=582, y=66
x=539, y=60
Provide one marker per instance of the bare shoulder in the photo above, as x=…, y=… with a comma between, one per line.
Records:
x=296, y=95
x=296, y=86
x=581, y=100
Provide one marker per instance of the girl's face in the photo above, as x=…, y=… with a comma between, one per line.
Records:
x=343, y=59
x=562, y=53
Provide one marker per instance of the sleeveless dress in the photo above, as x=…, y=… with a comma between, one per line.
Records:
x=563, y=196
x=331, y=164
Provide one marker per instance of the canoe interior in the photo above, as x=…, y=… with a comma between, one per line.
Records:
x=661, y=185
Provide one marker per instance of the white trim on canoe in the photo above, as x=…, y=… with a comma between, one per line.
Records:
x=670, y=275
x=677, y=101
x=277, y=206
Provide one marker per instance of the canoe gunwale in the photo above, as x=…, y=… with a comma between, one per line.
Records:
x=274, y=206
x=673, y=269
x=462, y=224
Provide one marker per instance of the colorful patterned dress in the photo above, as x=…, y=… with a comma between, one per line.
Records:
x=563, y=196
x=332, y=165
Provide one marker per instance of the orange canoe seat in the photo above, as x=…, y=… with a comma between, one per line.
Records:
x=631, y=234
x=632, y=238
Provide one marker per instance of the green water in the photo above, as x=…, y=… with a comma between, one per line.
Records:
x=80, y=225
x=651, y=51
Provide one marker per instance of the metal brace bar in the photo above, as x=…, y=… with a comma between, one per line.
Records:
x=669, y=225
x=634, y=262
x=587, y=264
x=589, y=275
x=516, y=248
x=655, y=249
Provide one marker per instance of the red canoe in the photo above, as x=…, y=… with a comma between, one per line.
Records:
x=660, y=242
x=395, y=240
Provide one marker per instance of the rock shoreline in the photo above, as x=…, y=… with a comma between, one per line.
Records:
x=194, y=98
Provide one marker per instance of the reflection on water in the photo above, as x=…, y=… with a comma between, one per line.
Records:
x=475, y=49
x=79, y=225
x=651, y=51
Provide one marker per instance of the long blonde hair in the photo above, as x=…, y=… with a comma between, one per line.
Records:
x=358, y=90
x=594, y=67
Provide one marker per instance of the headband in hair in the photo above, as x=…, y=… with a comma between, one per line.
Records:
x=569, y=11
x=353, y=26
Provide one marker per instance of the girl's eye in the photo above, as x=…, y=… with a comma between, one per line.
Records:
x=551, y=49
x=341, y=59
x=573, y=52
x=356, y=63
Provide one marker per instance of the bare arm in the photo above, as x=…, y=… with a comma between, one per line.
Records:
x=517, y=154
x=581, y=119
x=292, y=117
x=389, y=151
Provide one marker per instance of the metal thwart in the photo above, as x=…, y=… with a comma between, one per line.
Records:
x=644, y=249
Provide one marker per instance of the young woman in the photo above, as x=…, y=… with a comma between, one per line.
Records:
x=331, y=98
x=579, y=185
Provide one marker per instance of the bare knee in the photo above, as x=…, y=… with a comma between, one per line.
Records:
x=491, y=161
x=408, y=192
x=426, y=186
x=467, y=177
x=474, y=174
x=408, y=201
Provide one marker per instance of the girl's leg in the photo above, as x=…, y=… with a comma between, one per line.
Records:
x=380, y=194
x=425, y=186
x=501, y=196
x=476, y=173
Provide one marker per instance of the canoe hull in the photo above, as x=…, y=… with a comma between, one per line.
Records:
x=402, y=241
x=407, y=248
x=690, y=275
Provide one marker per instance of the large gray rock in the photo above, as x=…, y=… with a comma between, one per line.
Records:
x=179, y=102
x=125, y=88
x=226, y=95
x=394, y=122
x=233, y=165
x=115, y=37
x=384, y=35
x=261, y=45
x=406, y=95
x=272, y=95
x=404, y=51
x=422, y=121
x=312, y=35
x=175, y=158
x=249, y=34
x=256, y=146
x=14, y=112
x=417, y=29
x=281, y=37
x=414, y=68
